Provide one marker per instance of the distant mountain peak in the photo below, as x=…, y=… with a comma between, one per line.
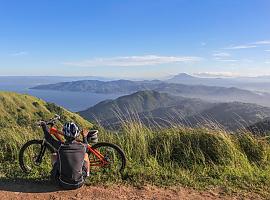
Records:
x=183, y=75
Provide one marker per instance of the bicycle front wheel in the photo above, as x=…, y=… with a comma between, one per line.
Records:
x=33, y=157
x=114, y=157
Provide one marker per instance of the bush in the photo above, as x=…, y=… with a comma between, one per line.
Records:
x=255, y=150
x=40, y=114
x=160, y=146
x=54, y=108
x=23, y=120
x=36, y=104
x=201, y=148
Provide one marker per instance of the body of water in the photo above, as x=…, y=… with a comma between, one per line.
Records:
x=73, y=101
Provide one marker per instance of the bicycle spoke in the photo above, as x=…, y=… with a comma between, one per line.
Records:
x=111, y=163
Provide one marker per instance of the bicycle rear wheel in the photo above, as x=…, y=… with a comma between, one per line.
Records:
x=113, y=155
x=33, y=157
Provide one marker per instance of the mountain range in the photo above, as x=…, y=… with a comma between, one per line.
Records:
x=162, y=109
x=258, y=83
x=207, y=93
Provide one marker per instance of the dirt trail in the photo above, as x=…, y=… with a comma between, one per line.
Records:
x=45, y=191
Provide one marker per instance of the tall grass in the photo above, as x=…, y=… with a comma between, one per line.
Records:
x=195, y=157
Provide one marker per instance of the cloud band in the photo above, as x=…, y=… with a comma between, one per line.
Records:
x=133, y=61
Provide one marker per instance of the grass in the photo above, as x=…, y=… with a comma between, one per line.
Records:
x=199, y=158
x=195, y=157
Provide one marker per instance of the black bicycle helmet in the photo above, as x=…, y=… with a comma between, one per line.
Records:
x=71, y=130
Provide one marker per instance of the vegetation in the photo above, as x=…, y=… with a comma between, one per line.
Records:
x=164, y=109
x=18, y=117
x=201, y=158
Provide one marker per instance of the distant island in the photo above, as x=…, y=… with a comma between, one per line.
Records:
x=208, y=93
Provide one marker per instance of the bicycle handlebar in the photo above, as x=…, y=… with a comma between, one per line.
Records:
x=50, y=121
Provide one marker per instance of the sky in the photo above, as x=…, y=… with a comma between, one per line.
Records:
x=134, y=38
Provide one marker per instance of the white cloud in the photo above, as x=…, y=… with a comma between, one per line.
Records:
x=241, y=47
x=228, y=60
x=216, y=74
x=262, y=42
x=267, y=62
x=133, y=61
x=221, y=54
x=19, y=53
x=267, y=50
x=249, y=45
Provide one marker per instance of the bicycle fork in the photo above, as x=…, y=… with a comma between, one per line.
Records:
x=41, y=153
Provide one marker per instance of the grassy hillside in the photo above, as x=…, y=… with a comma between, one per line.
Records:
x=18, y=114
x=200, y=158
x=147, y=103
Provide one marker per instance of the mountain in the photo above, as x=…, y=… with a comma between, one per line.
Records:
x=95, y=86
x=148, y=104
x=259, y=83
x=19, y=112
x=233, y=115
x=163, y=109
x=184, y=78
x=31, y=81
x=208, y=93
x=261, y=127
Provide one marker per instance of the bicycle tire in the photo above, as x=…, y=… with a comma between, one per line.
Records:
x=118, y=150
x=22, y=152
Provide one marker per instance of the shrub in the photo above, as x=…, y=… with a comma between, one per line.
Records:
x=40, y=114
x=255, y=150
x=23, y=120
x=54, y=108
x=201, y=147
x=160, y=146
x=36, y=104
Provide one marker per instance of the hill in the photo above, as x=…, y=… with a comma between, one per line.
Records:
x=208, y=93
x=18, y=116
x=22, y=111
x=118, y=86
x=260, y=128
x=233, y=116
x=146, y=104
x=152, y=107
x=178, y=156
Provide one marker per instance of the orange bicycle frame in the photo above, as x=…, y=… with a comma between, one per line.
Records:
x=100, y=162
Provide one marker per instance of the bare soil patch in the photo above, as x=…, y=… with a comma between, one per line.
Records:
x=47, y=191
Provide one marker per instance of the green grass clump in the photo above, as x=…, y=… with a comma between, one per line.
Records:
x=202, y=147
x=255, y=150
x=200, y=157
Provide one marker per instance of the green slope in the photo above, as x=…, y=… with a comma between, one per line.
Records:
x=197, y=158
x=18, y=114
x=154, y=108
x=148, y=103
x=22, y=111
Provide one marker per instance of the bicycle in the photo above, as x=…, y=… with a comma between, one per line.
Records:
x=103, y=156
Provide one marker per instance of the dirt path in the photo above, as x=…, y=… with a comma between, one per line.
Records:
x=46, y=191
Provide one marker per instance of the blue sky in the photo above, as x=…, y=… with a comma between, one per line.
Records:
x=134, y=38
